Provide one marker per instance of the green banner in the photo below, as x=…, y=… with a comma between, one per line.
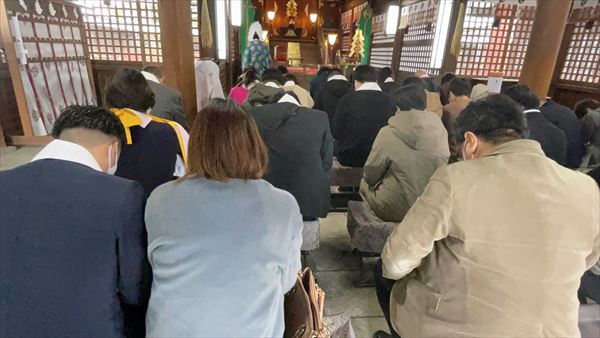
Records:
x=365, y=22
x=247, y=19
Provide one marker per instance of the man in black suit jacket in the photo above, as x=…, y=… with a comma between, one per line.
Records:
x=334, y=89
x=359, y=116
x=566, y=120
x=300, y=152
x=386, y=80
x=551, y=138
x=72, y=251
x=168, y=103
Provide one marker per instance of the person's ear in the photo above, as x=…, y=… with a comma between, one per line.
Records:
x=451, y=96
x=115, y=151
x=471, y=145
x=357, y=84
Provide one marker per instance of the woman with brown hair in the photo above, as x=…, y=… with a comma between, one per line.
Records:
x=224, y=245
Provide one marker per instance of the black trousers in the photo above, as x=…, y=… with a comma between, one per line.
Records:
x=383, y=287
x=589, y=287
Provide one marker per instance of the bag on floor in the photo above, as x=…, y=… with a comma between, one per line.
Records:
x=303, y=306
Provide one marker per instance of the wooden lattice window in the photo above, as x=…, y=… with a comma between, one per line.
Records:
x=417, y=45
x=195, y=29
x=494, y=38
x=582, y=60
x=125, y=30
x=382, y=46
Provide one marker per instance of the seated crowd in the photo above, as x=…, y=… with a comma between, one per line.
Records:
x=126, y=225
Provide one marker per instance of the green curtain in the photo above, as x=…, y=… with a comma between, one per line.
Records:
x=366, y=19
x=247, y=20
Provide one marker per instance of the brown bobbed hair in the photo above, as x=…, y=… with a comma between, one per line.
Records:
x=225, y=144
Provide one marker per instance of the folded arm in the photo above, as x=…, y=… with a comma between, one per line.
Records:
x=424, y=224
x=378, y=162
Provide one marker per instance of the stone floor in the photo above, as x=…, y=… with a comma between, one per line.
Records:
x=336, y=269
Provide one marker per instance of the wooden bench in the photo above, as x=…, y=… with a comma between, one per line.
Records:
x=345, y=183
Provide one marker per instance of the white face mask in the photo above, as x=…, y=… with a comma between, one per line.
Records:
x=112, y=167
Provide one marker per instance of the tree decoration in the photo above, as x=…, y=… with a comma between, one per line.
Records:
x=291, y=9
x=358, y=44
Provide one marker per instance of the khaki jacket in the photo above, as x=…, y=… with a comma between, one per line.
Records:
x=495, y=247
x=453, y=109
x=434, y=104
x=303, y=95
x=405, y=154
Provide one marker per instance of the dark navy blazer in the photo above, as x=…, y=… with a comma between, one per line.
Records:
x=151, y=158
x=72, y=250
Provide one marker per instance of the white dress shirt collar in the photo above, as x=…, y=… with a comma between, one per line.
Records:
x=68, y=151
x=272, y=85
x=526, y=111
x=337, y=77
x=288, y=98
x=150, y=77
x=369, y=86
x=389, y=79
x=289, y=84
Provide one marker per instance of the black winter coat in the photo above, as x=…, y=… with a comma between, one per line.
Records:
x=552, y=139
x=358, y=118
x=331, y=93
x=566, y=120
x=300, y=153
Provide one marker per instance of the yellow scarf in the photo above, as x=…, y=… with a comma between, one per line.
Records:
x=130, y=119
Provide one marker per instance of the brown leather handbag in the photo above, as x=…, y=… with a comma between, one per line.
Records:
x=303, y=306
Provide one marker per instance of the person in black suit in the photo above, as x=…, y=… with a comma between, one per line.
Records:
x=566, y=120
x=168, y=103
x=359, y=116
x=300, y=152
x=337, y=85
x=155, y=149
x=386, y=80
x=552, y=139
x=72, y=238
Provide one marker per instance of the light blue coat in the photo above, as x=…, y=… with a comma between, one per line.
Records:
x=223, y=256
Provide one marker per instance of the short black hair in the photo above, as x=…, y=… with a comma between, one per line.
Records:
x=283, y=70
x=496, y=119
x=447, y=77
x=89, y=117
x=334, y=71
x=272, y=75
x=384, y=73
x=365, y=73
x=460, y=87
x=153, y=70
x=522, y=95
x=413, y=80
x=290, y=77
x=582, y=106
x=410, y=97
x=324, y=69
x=128, y=88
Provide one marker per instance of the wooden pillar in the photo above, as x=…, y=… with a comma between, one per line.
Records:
x=450, y=55
x=544, y=45
x=178, y=51
x=15, y=73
